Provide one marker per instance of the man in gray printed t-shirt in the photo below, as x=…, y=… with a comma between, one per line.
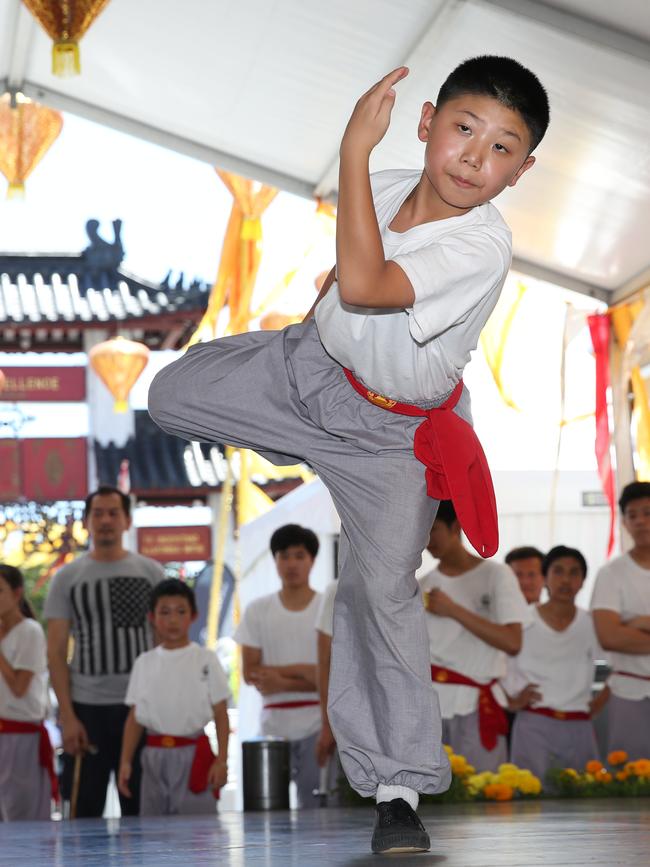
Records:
x=102, y=601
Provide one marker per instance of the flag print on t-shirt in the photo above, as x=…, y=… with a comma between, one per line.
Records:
x=111, y=623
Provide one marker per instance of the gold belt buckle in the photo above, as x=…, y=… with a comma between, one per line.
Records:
x=380, y=400
x=559, y=714
x=442, y=676
x=168, y=741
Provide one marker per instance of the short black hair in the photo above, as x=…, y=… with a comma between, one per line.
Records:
x=294, y=534
x=103, y=490
x=172, y=587
x=526, y=552
x=507, y=81
x=562, y=551
x=633, y=491
x=446, y=513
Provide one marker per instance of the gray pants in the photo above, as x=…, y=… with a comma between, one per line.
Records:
x=164, y=791
x=461, y=733
x=25, y=790
x=305, y=771
x=629, y=726
x=540, y=744
x=282, y=395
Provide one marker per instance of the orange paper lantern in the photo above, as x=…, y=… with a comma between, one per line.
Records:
x=275, y=321
x=27, y=131
x=3, y=380
x=65, y=21
x=118, y=363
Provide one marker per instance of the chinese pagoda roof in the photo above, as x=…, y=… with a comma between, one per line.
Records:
x=47, y=300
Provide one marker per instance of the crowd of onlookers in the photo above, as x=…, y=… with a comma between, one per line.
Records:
x=512, y=664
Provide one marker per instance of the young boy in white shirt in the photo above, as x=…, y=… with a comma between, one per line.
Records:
x=620, y=605
x=372, y=390
x=549, y=683
x=278, y=638
x=174, y=691
x=476, y=611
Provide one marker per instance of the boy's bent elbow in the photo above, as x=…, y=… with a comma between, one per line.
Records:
x=161, y=398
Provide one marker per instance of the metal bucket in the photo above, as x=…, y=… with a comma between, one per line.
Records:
x=266, y=774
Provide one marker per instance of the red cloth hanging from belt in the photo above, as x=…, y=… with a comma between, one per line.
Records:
x=45, y=750
x=290, y=705
x=492, y=720
x=201, y=763
x=569, y=715
x=456, y=466
x=632, y=674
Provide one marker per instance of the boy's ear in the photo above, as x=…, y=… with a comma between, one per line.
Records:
x=428, y=111
x=528, y=163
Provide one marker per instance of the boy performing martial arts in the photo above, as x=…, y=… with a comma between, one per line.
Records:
x=621, y=610
x=174, y=691
x=278, y=638
x=550, y=682
x=476, y=611
x=372, y=390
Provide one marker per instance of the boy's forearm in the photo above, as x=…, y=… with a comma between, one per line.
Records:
x=222, y=726
x=626, y=639
x=497, y=635
x=130, y=737
x=60, y=680
x=360, y=256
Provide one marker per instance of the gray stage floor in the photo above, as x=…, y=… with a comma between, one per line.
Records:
x=550, y=833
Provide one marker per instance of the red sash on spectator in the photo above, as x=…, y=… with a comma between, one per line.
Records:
x=201, y=763
x=492, y=720
x=286, y=705
x=45, y=751
x=632, y=674
x=456, y=466
x=559, y=714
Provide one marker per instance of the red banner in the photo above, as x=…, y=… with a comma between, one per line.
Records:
x=175, y=544
x=9, y=470
x=54, y=469
x=599, y=327
x=44, y=384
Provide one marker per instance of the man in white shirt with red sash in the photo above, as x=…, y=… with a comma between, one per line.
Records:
x=621, y=612
x=278, y=639
x=476, y=614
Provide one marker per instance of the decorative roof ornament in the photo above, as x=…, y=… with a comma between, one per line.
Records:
x=27, y=131
x=118, y=362
x=65, y=21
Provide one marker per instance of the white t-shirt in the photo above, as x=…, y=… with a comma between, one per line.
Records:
x=490, y=590
x=624, y=587
x=24, y=648
x=174, y=691
x=561, y=663
x=457, y=268
x=325, y=620
x=285, y=638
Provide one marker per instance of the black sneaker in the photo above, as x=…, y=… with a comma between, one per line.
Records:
x=398, y=829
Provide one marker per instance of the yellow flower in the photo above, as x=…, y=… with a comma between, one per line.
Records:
x=459, y=765
x=448, y=749
x=508, y=778
x=571, y=772
x=530, y=785
x=507, y=766
x=498, y=792
x=617, y=757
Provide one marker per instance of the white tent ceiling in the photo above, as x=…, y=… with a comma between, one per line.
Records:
x=264, y=87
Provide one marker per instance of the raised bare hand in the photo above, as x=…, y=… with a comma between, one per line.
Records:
x=371, y=116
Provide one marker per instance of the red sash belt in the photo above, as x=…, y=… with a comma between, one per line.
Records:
x=492, y=720
x=632, y=674
x=286, y=705
x=201, y=763
x=559, y=714
x=45, y=751
x=456, y=466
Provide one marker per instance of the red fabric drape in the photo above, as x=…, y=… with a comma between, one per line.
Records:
x=599, y=328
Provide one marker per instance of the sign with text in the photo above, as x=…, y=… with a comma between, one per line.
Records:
x=175, y=544
x=44, y=384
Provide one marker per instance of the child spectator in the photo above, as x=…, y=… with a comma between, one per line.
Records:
x=27, y=779
x=550, y=681
x=174, y=691
x=526, y=563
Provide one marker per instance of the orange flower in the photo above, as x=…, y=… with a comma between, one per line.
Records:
x=498, y=792
x=594, y=767
x=621, y=776
x=604, y=777
x=642, y=767
x=617, y=757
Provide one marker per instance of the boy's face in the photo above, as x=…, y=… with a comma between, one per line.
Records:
x=294, y=565
x=529, y=574
x=171, y=620
x=564, y=579
x=442, y=538
x=636, y=520
x=475, y=148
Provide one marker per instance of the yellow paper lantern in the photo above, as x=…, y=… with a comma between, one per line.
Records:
x=65, y=21
x=118, y=363
x=27, y=131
